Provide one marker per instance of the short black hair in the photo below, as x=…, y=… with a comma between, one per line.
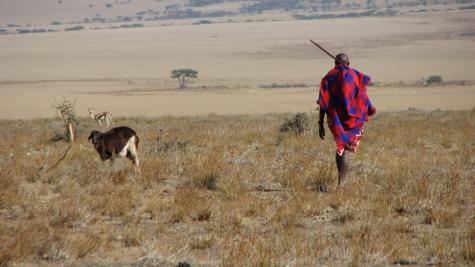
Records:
x=342, y=58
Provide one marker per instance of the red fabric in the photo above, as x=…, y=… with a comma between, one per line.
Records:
x=344, y=99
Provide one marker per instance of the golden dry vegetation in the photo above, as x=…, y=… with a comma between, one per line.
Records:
x=234, y=191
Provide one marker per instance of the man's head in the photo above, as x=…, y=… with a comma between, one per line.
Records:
x=342, y=58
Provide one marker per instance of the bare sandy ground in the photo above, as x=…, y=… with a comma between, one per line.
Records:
x=36, y=68
x=23, y=101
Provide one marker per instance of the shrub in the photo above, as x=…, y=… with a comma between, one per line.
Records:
x=199, y=3
x=203, y=22
x=434, y=79
x=206, y=179
x=21, y=31
x=134, y=25
x=58, y=136
x=202, y=215
x=284, y=85
x=296, y=124
x=56, y=23
x=467, y=7
x=75, y=28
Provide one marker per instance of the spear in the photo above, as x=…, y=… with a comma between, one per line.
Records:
x=328, y=53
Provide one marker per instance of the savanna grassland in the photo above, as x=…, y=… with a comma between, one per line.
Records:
x=233, y=191
x=219, y=188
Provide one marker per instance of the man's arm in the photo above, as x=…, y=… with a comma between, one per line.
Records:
x=323, y=100
x=365, y=80
x=371, y=108
x=321, y=127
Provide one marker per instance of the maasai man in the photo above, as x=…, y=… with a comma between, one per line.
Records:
x=343, y=98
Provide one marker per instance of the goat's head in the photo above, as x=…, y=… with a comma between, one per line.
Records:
x=94, y=137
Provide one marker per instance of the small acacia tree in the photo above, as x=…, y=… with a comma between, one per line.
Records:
x=67, y=111
x=183, y=74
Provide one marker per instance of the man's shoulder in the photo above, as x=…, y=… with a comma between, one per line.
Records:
x=344, y=71
x=357, y=72
x=362, y=77
x=332, y=73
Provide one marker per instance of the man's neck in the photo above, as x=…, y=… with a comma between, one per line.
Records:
x=338, y=66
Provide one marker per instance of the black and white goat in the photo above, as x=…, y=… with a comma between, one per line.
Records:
x=119, y=141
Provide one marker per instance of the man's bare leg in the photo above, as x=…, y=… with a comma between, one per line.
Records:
x=342, y=166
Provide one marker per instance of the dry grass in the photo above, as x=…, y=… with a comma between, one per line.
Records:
x=233, y=191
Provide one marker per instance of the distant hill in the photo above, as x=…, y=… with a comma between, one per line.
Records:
x=56, y=12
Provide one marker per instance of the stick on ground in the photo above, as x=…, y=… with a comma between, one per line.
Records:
x=61, y=159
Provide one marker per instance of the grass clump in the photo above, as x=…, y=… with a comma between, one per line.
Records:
x=172, y=146
x=205, y=172
x=201, y=243
x=297, y=124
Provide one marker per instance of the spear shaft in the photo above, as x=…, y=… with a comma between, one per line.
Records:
x=328, y=53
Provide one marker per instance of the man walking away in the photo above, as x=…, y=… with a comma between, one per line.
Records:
x=344, y=99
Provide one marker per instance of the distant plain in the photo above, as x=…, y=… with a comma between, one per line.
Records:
x=127, y=71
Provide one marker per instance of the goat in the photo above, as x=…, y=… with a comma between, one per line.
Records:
x=119, y=141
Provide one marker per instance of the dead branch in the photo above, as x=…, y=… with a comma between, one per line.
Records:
x=61, y=159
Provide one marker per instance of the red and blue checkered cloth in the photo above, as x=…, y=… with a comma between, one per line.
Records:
x=344, y=99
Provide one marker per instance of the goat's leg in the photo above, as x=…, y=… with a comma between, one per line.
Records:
x=132, y=153
x=133, y=157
